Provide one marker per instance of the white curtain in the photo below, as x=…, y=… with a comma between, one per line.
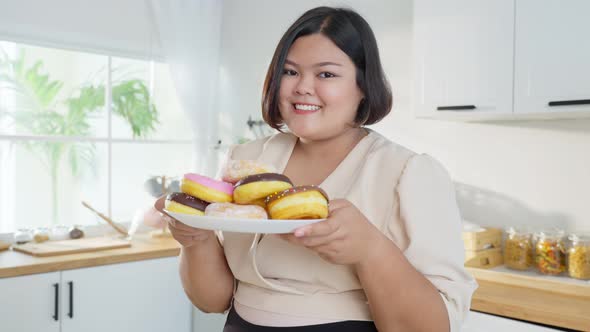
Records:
x=189, y=33
x=114, y=27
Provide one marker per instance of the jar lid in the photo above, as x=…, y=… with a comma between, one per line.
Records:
x=550, y=233
x=524, y=230
x=579, y=237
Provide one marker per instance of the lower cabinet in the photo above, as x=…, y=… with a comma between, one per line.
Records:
x=480, y=322
x=136, y=296
x=29, y=303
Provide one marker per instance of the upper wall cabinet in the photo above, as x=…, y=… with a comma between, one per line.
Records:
x=463, y=57
x=552, y=58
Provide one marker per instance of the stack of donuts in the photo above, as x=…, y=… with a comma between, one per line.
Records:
x=248, y=189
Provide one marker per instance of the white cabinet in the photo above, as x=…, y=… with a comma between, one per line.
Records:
x=501, y=59
x=552, y=59
x=463, y=56
x=479, y=322
x=137, y=296
x=29, y=303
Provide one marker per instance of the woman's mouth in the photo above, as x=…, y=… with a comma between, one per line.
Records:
x=305, y=108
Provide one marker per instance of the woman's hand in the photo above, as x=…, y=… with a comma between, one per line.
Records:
x=185, y=235
x=346, y=237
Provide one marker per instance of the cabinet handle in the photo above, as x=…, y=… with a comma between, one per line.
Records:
x=56, y=304
x=569, y=102
x=71, y=287
x=455, y=108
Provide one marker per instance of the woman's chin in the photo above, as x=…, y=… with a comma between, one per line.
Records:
x=305, y=132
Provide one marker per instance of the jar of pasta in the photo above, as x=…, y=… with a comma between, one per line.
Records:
x=550, y=253
x=579, y=257
x=518, y=249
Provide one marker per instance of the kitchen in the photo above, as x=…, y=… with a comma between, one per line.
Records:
x=514, y=160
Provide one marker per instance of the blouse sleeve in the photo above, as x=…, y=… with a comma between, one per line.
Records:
x=429, y=210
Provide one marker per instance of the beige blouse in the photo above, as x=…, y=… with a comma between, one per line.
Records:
x=408, y=196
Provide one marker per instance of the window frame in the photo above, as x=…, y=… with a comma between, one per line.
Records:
x=11, y=225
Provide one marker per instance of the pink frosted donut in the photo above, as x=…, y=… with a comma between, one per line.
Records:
x=230, y=210
x=235, y=170
x=206, y=188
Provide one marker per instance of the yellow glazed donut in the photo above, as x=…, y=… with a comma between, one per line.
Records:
x=304, y=202
x=253, y=188
x=183, y=203
x=230, y=210
x=235, y=170
x=207, y=189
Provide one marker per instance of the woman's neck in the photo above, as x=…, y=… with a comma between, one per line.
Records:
x=333, y=146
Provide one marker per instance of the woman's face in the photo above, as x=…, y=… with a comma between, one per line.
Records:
x=319, y=96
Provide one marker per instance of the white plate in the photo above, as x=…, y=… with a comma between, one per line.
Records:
x=242, y=225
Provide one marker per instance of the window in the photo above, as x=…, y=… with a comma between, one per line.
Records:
x=61, y=143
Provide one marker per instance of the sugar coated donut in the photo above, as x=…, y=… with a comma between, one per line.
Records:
x=206, y=188
x=235, y=170
x=230, y=210
x=183, y=203
x=255, y=187
x=303, y=202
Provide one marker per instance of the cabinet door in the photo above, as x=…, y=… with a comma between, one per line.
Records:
x=28, y=303
x=139, y=296
x=463, y=55
x=479, y=322
x=552, y=58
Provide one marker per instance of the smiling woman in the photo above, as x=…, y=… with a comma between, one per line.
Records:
x=388, y=256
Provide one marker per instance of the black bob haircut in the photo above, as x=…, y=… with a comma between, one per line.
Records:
x=353, y=35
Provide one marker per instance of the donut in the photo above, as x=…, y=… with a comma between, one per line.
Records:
x=235, y=170
x=255, y=187
x=183, y=203
x=206, y=188
x=303, y=202
x=230, y=210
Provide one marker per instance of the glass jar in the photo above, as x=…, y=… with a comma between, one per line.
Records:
x=578, y=263
x=59, y=232
x=550, y=253
x=41, y=234
x=23, y=235
x=518, y=249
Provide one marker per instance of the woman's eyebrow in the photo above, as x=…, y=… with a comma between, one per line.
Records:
x=319, y=64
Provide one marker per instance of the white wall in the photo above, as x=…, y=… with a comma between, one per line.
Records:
x=534, y=173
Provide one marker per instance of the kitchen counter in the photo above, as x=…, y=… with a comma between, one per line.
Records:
x=143, y=246
x=557, y=301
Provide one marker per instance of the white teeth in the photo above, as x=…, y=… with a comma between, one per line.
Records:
x=307, y=107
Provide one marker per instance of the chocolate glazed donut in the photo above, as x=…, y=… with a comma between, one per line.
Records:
x=253, y=189
x=187, y=200
x=264, y=177
x=303, y=202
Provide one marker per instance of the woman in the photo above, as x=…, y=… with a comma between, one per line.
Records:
x=389, y=257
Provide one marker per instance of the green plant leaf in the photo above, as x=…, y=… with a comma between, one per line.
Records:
x=131, y=100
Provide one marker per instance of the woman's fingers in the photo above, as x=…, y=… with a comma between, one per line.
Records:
x=337, y=204
x=160, y=202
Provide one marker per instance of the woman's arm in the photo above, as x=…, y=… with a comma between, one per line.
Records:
x=400, y=297
x=206, y=277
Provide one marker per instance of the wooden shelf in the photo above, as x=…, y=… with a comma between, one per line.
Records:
x=557, y=301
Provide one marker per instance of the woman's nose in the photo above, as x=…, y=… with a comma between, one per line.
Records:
x=305, y=85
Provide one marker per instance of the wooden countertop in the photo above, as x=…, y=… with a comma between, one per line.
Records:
x=557, y=301
x=143, y=246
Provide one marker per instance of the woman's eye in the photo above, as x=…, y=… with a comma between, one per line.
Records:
x=289, y=72
x=326, y=75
